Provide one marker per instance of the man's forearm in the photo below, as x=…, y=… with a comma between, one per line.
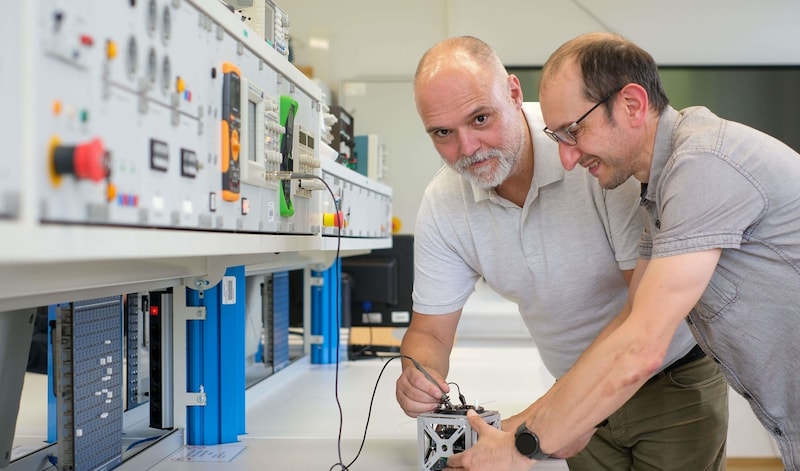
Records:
x=427, y=350
x=429, y=340
x=613, y=369
x=589, y=393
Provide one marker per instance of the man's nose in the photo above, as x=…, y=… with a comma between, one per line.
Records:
x=570, y=155
x=468, y=143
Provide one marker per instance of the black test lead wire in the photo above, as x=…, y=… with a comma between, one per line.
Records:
x=338, y=223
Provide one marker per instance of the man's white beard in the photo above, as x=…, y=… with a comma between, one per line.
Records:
x=486, y=177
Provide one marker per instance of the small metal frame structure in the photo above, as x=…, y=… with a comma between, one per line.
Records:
x=445, y=432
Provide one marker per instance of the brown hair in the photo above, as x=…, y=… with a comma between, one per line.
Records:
x=607, y=62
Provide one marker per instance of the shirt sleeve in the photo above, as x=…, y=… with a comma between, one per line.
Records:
x=704, y=202
x=443, y=281
x=624, y=221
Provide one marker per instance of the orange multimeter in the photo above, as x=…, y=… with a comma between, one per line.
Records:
x=231, y=126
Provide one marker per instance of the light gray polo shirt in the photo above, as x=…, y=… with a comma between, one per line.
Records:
x=719, y=184
x=558, y=257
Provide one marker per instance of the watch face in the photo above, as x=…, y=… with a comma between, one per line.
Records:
x=527, y=443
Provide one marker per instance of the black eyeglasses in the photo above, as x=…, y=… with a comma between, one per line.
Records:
x=565, y=134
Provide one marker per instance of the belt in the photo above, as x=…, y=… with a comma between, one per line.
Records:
x=695, y=353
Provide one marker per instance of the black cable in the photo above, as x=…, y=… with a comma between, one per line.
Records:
x=346, y=467
x=339, y=223
x=461, y=398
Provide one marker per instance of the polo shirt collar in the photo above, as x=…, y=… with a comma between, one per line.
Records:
x=662, y=150
x=544, y=173
x=547, y=166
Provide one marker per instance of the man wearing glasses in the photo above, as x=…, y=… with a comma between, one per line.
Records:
x=721, y=247
x=554, y=242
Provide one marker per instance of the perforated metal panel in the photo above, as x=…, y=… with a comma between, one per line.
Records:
x=278, y=297
x=133, y=339
x=89, y=368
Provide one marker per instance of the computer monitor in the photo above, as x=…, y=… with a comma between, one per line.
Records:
x=381, y=283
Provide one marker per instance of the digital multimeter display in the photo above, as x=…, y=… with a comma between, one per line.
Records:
x=231, y=127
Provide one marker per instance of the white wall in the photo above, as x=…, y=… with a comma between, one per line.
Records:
x=378, y=38
x=377, y=42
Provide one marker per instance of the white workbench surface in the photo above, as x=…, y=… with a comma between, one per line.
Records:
x=293, y=424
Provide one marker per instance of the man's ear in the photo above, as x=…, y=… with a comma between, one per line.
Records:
x=515, y=89
x=636, y=103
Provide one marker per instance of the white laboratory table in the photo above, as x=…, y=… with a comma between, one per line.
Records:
x=293, y=418
x=311, y=454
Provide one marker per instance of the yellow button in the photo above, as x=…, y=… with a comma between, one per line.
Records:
x=111, y=49
x=111, y=192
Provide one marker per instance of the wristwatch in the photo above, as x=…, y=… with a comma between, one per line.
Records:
x=528, y=443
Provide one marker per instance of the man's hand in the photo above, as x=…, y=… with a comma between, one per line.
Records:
x=494, y=450
x=417, y=394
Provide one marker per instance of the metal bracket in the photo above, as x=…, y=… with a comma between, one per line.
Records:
x=316, y=281
x=195, y=399
x=181, y=314
x=189, y=313
x=198, y=283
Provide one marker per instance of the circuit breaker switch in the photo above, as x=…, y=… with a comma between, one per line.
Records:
x=87, y=161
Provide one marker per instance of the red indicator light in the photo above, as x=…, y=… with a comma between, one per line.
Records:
x=153, y=310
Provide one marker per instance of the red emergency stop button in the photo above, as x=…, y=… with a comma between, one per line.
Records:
x=87, y=161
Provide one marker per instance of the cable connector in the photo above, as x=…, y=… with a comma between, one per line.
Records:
x=287, y=175
x=279, y=175
x=311, y=185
